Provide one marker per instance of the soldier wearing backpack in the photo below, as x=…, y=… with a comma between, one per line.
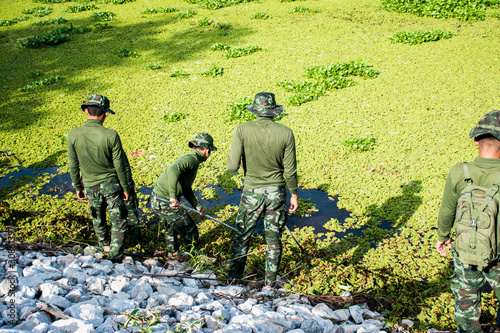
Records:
x=470, y=203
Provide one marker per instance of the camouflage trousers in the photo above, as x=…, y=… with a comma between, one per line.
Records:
x=180, y=229
x=252, y=205
x=133, y=222
x=108, y=195
x=466, y=284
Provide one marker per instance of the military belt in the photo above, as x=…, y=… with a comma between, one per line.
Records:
x=267, y=189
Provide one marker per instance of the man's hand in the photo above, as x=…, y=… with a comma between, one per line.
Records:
x=126, y=196
x=294, y=204
x=81, y=195
x=174, y=203
x=203, y=212
x=441, y=247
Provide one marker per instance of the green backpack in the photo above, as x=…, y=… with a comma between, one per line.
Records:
x=477, y=231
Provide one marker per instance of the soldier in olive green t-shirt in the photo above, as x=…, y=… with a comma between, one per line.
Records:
x=174, y=182
x=97, y=166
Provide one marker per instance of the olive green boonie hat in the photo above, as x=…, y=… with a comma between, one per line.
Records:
x=264, y=105
x=203, y=140
x=98, y=100
x=489, y=124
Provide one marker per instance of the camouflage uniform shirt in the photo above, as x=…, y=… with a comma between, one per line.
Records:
x=97, y=153
x=268, y=154
x=178, y=178
x=484, y=172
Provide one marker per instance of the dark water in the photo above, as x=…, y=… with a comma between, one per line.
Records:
x=325, y=204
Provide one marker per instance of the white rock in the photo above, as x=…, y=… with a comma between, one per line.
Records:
x=118, y=285
x=311, y=326
x=122, y=305
x=356, y=313
x=58, y=301
x=87, y=312
x=342, y=314
x=40, y=328
x=73, y=326
x=49, y=289
x=322, y=310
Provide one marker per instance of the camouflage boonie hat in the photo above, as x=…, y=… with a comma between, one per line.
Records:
x=203, y=140
x=489, y=124
x=98, y=100
x=264, y=105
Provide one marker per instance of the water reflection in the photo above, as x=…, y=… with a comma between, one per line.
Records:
x=326, y=205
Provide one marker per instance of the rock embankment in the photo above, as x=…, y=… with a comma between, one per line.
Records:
x=85, y=293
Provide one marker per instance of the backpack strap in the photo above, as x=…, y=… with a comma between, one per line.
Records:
x=474, y=212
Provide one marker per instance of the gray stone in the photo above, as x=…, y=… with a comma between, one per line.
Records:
x=181, y=301
x=40, y=328
x=356, y=313
x=58, y=301
x=87, y=312
x=122, y=305
x=230, y=291
x=73, y=325
x=322, y=310
x=246, y=307
x=311, y=326
x=75, y=295
x=342, y=314
x=95, y=285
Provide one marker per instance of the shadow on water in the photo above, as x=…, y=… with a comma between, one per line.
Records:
x=60, y=184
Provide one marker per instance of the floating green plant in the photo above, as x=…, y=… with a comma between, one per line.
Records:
x=159, y=10
x=47, y=81
x=328, y=77
x=224, y=26
x=238, y=110
x=38, y=11
x=260, y=16
x=220, y=47
x=463, y=10
x=302, y=9
x=126, y=53
x=420, y=36
x=115, y=2
x=214, y=70
x=241, y=51
x=101, y=26
x=58, y=20
x=174, y=116
x=187, y=14
x=361, y=144
x=43, y=40
x=205, y=22
x=216, y=4
x=5, y=23
x=81, y=8
x=52, y=1
x=153, y=66
x=179, y=74
x=103, y=16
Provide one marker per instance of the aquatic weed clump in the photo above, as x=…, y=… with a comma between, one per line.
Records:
x=420, y=36
x=463, y=10
x=33, y=85
x=80, y=8
x=38, y=11
x=241, y=51
x=9, y=22
x=58, y=20
x=328, y=77
x=216, y=4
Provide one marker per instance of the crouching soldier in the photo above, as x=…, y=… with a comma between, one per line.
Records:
x=177, y=181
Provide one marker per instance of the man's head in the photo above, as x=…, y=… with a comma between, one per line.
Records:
x=95, y=103
x=264, y=105
x=486, y=135
x=204, y=143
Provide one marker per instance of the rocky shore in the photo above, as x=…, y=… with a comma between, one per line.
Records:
x=85, y=293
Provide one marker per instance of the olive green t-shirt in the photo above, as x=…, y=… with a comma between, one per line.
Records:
x=178, y=178
x=96, y=152
x=266, y=150
x=483, y=172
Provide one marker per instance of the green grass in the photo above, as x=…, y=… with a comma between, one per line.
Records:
x=419, y=105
